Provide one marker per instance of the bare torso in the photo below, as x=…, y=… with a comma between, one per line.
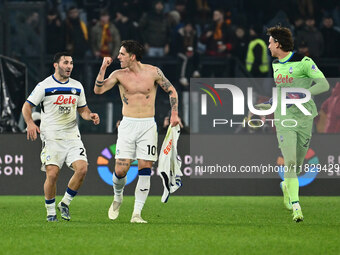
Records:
x=138, y=91
x=137, y=84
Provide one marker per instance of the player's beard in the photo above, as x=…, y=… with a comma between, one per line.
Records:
x=124, y=64
x=63, y=73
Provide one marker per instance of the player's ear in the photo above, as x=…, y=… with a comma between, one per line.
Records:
x=55, y=65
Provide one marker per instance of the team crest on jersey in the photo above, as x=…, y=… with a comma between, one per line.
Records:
x=291, y=70
x=314, y=68
x=74, y=91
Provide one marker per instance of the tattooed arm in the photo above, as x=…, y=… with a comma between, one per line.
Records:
x=102, y=85
x=170, y=89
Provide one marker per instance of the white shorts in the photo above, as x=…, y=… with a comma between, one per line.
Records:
x=56, y=152
x=137, y=139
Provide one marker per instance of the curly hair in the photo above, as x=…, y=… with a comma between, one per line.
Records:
x=283, y=36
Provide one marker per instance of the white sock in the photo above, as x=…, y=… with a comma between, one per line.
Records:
x=118, y=187
x=50, y=206
x=142, y=189
x=69, y=195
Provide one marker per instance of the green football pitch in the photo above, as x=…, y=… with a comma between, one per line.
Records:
x=185, y=225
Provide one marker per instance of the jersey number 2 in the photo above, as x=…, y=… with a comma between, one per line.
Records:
x=307, y=142
x=82, y=152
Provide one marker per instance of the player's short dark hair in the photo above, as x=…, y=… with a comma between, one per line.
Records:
x=134, y=47
x=58, y=56
x=283, y=36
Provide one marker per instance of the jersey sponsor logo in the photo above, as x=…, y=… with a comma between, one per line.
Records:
x=65, y=100
x=314, y=68
x=53, y=91
x=280, y=79
x=168, y=148
x=64, y=109
x=276, y=70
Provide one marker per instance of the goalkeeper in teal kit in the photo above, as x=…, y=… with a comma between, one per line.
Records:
x=292, y=70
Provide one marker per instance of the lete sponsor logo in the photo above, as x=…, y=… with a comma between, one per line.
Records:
x=65, y=100
x=284, y=79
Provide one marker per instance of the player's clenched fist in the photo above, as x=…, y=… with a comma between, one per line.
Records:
x=107, y=61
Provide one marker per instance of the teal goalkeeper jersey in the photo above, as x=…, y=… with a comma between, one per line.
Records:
x=296, y=71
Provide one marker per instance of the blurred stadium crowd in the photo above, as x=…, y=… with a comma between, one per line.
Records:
x=188, y=29
x=186, y=38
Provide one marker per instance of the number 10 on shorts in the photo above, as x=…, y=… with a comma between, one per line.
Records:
x=151, y=149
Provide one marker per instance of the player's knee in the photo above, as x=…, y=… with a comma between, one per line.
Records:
x=290, y=162
x=122, y=167
x=82, y=171
x=120, y=172
x=291, y=166
x=52, y=175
